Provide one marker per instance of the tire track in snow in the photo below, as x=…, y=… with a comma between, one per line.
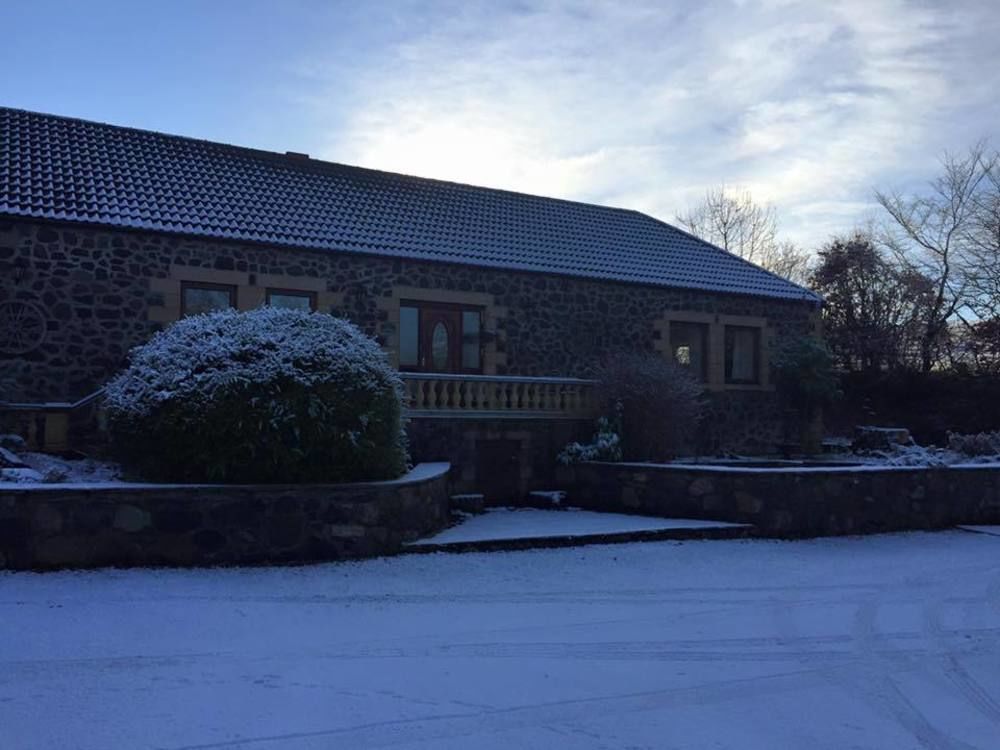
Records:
x=468, y=724
x=667, y=595
x=887, y=693
x=970, y=689
x=745, y=649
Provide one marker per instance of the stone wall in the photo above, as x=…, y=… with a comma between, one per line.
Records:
x=795, y=502
x=63, y=526
x=98, y=292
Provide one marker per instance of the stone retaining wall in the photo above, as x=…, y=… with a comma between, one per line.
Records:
x=81, y=526
x=795, y=502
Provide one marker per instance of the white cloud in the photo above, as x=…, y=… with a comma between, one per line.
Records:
x=645, y=105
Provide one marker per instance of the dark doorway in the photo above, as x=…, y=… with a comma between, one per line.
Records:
x=498, y=470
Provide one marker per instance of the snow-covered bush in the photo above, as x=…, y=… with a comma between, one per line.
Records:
x=270, y=395
x=979, y=444
x=605, y=446
x=658, y=403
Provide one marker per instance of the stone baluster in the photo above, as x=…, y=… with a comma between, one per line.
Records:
x=473, y=394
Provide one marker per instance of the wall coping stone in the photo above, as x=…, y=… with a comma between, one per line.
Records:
x=714, y=468
x=418, y=474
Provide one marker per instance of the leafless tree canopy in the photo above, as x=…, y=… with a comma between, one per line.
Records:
x=921, y=290
x=950, y=234
x=733, y=221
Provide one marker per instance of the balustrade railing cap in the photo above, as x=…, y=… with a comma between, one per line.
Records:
x=496, y=378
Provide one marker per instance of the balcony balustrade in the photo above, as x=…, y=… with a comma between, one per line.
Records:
x=472, y=396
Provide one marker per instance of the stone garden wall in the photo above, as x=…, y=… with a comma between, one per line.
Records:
x=60, y=526
x=93, y=293
x=795, y=502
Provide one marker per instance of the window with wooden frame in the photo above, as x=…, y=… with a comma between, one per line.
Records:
x=292, y=299
x=742, y=355
x=201, y=297
x=438, y=337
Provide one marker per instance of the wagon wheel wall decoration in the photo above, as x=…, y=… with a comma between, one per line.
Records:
x=22, y=328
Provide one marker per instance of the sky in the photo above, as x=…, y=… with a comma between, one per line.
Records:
x=810, y=105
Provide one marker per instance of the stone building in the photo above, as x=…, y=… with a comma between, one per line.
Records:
x=492, y=303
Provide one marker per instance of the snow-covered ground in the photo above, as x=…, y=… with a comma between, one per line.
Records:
x=875, y=642
x=532, y=523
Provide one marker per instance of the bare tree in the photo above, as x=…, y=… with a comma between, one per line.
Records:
x=791, y=262
x=983, y=241
x=732, y=220
x=929, y=234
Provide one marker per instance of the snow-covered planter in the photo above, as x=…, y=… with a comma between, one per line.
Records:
x=270, y=395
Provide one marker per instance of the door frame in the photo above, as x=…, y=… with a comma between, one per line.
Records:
x=428, y=314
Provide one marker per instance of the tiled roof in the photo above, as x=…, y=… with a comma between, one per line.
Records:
x=73, y=170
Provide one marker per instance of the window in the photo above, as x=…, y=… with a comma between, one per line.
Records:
x=291, y=299
x=471, y=354
x=440, y=338
x=201, y=298
x=409, y=337
x=689, y=345
x=742, y=355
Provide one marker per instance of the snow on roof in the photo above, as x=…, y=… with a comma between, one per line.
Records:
x=66, y=169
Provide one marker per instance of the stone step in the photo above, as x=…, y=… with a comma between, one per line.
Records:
x=546, y=499
x=470, y=502
x=734, y=531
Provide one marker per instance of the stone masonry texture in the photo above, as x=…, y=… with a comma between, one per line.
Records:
x=794, y=502
x=92, y=287
x=79, y=527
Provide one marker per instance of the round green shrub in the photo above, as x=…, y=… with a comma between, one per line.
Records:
x=269, y=395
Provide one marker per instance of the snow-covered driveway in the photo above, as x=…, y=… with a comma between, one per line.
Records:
x=878, y=642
